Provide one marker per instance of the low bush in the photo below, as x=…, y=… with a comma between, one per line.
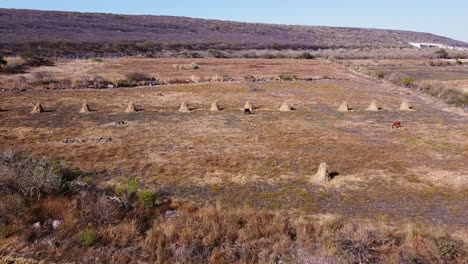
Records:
x=442, y=54
x=137, y=77
x=287, y=77
x=88, y=237
x=29, y=176
x=127, y=187
x=217, y=54
x=33, y=60
x=146, y=198
x=11, y=209
x=401, y=79
x=306, y=56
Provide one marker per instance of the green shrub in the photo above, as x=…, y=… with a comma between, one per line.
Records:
x=442, y=54
x=87, y=237
x=146, y=198
x=407, y=82
x=124, y=83
x=137, y=77
x=5, y=231
x=34, y=60
x=461, y=100
x=306, y=56
x=287, y=77
x=98, y=60
x=128, y=187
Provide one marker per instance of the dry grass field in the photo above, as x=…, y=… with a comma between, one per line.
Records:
x=170, y=70
x=265, y=160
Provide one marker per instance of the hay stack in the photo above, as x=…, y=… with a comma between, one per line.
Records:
x=85, y=108
x=322, y=174
x=214, y=107
x=249, y=106
x=37, y=108
x=406, y=106
x=131, y=108
x=373, y=106
x=344, y=107
x=285, y=107
x=184, y=107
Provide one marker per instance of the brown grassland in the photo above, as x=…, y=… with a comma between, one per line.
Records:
x=249, y=175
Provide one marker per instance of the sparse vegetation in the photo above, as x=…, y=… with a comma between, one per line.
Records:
x=29, y=176
x=128, y=187
x=287, y=77
x=227, y=187
x=87, y=237
x=442, y=54
x=146, y=198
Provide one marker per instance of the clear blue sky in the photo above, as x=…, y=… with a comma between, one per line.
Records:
x=447, y=18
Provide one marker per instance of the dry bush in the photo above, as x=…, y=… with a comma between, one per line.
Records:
x=11, y=209
x=137, y=76
x=29, y=176
x=101, y=209
x=211, y=235
x=122, y=234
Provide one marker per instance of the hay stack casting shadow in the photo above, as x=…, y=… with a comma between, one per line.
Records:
x=85, y=108
x=248, y=108
x=285, y=107
x=406, y=106
x=344, y=107
x=373, y=107
x=37, y=108
x=215, y=107
x=184, y=108
x=131, y=108
x=322, y=174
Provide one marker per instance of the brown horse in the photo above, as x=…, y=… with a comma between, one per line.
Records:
x=396, y=125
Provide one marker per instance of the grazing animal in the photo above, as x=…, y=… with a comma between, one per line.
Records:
x=247, y=111
x=396, y=125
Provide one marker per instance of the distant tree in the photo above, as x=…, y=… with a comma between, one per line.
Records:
x=306, y=56
x=34, y=60
x=442, y=54
x=3, y=62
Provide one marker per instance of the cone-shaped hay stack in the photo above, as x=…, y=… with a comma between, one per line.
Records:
x=248, y=106
x=184, y=107
x=37, y=109
x=85, y=108
x=214, y=107
x=322, y=174
x=131, y=108
x=285, y=107
x=344, y=107
x=373, y=106
x=406, y=106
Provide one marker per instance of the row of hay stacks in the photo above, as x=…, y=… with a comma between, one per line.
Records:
x=374, y=107
x=184, y=108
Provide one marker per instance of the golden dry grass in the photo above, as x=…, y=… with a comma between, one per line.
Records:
x=262, y=160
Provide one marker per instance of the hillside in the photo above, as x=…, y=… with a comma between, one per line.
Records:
x=21, y=26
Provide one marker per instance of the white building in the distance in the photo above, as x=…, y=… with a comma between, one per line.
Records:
x=435, y=45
